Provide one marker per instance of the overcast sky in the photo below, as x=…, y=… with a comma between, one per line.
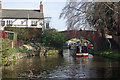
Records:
x=52, y=8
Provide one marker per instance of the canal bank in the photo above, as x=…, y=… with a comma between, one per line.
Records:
x=11, y=55
x=112, y=54
x=49, y=42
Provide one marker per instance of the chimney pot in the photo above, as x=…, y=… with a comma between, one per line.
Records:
x=41, y=6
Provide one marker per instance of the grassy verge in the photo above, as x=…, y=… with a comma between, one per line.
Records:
x=6, y=58
x=9, y=54
x=109, y=54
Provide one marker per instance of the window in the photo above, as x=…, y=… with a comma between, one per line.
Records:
x=3, y=23
x=33, y=23
x=22, y=22
x=9, y=22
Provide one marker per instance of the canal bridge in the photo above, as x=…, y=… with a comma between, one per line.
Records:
x=93, y=36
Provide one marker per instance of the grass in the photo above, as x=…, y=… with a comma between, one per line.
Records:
x=111, y=54
x=9, y=52
x=23, y=50
x=13, y=50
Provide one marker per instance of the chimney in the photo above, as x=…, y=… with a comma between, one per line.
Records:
x=41, y=7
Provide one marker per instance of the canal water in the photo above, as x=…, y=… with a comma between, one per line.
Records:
x=63, y=67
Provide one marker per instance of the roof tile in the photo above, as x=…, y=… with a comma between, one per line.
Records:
x=23, y=14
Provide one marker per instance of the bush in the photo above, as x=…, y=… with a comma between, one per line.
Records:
x=6, y=47
x=53, y=38
x=26, y=34
x=7, y=51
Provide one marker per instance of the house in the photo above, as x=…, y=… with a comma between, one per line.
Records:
x=22, y=18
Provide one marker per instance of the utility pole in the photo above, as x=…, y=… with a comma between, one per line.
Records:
x=0, y=40
x=0, y=15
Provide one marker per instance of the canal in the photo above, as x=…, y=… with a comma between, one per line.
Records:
x=63, y=67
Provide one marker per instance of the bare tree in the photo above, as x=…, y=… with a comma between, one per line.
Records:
x=99, y=15
x=75, y=14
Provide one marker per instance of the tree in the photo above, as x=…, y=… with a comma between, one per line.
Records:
x=75, y=14
x=105, y=17
x=99, y=15
x=52, y=38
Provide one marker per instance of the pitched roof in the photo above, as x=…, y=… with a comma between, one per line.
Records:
x=21, y=14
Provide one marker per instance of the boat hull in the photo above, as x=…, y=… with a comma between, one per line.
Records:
x=81, y=54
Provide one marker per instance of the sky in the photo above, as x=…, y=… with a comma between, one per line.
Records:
x=51, y=8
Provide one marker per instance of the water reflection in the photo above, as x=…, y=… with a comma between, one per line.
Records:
x=55, y=66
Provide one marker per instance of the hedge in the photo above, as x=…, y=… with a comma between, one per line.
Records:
x=26, y=34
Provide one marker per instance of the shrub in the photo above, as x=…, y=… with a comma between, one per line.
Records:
x=26, y=34
x=6, y=47
x=53, y=38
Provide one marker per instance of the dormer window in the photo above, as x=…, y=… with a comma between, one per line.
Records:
x=33, y=23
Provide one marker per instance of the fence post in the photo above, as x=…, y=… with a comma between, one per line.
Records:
x=12, y=44
x=14, y=39
x=15, y=36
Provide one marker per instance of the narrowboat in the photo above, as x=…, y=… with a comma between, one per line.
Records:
x=82, y=53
